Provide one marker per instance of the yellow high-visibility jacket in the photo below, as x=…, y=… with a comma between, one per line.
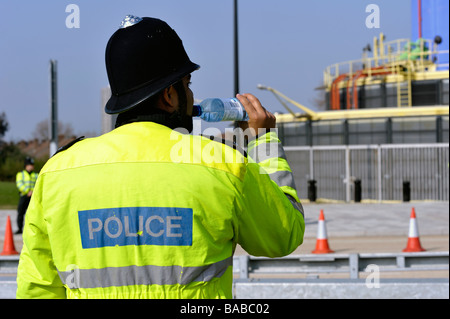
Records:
x=25, y=181
x=147, y=212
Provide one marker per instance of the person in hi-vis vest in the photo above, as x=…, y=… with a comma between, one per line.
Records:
x=149, y=210
x=25, y=181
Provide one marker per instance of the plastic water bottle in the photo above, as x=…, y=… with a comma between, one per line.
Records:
x=216, y=110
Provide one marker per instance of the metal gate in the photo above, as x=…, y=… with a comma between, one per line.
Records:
x=382, y=170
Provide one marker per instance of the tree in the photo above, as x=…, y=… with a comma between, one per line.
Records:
x=11, y=161
x=3, y=124
x=319, y=101
x=41, y=132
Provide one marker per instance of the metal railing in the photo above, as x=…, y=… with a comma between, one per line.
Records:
x=424, y=53
x=381, y=170
x=9, y=264
x=249, y=286
x=352, y=264
x=246, y=265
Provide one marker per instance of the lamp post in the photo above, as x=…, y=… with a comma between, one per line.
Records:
x=236, y=49
x=236, y=54
x=53, y=127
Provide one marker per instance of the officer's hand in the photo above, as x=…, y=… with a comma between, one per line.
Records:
x=259, y=117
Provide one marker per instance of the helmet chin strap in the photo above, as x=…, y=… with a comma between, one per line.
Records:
x=172, y=120
x=177, y=119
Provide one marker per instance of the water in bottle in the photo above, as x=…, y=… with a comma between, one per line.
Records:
x=216, y=110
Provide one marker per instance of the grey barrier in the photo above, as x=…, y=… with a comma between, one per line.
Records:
x=381, y=170
x=248, y=268
x=246, y=265
x=410, y=288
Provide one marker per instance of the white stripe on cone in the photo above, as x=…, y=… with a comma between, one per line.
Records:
x=321, y=230
x=413, y=244
x=413, y=230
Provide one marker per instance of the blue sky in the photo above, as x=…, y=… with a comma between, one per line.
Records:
x=285, y=44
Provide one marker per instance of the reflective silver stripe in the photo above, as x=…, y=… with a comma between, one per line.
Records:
x=265, y=151
x=298, y=206
x=286, y=178
x=26, y=183
x=283, y=178
x=21, y=183
x=142, y=275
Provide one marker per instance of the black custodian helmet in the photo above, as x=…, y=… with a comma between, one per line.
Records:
x=143, y=57
x=28, y=161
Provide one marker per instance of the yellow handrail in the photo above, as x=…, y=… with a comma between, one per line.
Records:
x=352, y=114
x=278, y=94
x=386, y=54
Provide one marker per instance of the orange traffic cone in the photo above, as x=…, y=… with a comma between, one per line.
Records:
x=8, y=245
x=322, y=240
x=413, y=244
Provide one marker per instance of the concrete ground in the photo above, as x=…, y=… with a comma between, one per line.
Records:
x=351, y=228
x=360, y=227
x=380, y=227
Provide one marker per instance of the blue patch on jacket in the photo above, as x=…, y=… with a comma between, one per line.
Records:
x=164, y=226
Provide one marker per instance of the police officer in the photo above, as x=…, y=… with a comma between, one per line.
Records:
x=25, y=181
x=146, y=211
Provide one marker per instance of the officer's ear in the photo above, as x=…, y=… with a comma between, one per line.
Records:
x=168, y=100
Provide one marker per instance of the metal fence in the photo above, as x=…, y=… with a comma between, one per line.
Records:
x=352, y=264
x=382, y=171
x=259, y=277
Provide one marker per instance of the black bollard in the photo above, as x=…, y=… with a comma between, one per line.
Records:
x=358, y=191
x=406, y=191
x=312, y=190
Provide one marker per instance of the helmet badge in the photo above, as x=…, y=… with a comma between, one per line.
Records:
x=129, y=20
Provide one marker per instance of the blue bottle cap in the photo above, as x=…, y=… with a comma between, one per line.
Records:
x=197, y=110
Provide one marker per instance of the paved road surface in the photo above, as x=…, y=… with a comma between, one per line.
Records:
x=363, y=228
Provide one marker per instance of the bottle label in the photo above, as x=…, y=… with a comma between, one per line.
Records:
x=234, y=111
